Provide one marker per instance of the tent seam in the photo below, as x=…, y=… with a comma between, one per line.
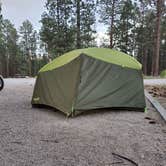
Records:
x=77, y=84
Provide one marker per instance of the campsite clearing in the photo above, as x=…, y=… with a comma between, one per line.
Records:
x=32, y=136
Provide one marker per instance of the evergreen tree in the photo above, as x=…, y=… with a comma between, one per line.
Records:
x=109, y=13
x=163, y=44
x=2, y=47
x=57, y=31
x=145, y=39
x=78, y=20
x=126, y=26
x=85, y=21
x=144, y=34
x=28, y=43
x=10, y=38
x=8, y=47
x=67, y=25
x=156, y=56
x=1, y=22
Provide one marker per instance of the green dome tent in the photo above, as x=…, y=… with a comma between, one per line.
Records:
x=91, y=78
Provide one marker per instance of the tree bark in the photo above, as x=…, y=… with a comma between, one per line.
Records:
x=145, y=61
x=155, y=65
x=7, y=65
x=112, y=24
x=78, y=25
x=29, y=64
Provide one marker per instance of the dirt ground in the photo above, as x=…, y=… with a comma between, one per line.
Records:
x=158, y=92
x=44, y=137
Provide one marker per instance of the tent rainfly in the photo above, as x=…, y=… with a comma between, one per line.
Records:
x=91, y=78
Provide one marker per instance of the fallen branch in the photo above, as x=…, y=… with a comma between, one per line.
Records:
x=123, y=157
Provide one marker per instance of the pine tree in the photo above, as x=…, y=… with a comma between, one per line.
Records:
x=28, y=43
x=109, y=12
x=144, y=34
x=163, y=43
x=87, y=23
x=10, y=38
x=1, y=19
x=155, y=64
x=78, y=20
x=145, y=41
x=84, y=20
x=57, y=30
x=8, y=48
x=126, y=26
x=2, y=49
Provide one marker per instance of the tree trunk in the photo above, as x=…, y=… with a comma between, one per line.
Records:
x=58, y=14
x=144, y=54
x=29, y=65
x=112, y=24
x=78, y=24
x=145, y=61
x=155, y=65
x=7, y=65
x=127, y=36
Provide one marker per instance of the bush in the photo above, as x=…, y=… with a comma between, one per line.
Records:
x=163, y=74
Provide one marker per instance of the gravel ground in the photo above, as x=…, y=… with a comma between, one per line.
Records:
x=45, y=137
x=155, y=81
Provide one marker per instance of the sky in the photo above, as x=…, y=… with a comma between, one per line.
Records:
x=18, y=11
